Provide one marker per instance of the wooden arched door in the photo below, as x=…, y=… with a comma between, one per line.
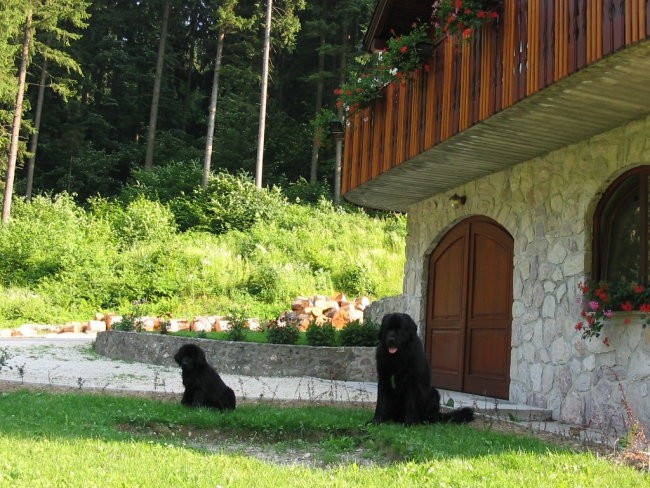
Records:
x=469, y=309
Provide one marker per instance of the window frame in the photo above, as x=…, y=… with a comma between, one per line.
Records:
x=643, y=175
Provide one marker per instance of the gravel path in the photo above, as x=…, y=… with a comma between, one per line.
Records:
x=68, y=360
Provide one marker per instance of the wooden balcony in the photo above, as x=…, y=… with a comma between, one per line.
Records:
x=552, y=73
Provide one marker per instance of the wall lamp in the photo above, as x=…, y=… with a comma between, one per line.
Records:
x=457, y=201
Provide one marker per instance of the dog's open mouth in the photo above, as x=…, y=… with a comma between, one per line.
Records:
x=392, y=349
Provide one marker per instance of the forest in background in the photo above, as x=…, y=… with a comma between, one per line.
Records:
x=96, y=61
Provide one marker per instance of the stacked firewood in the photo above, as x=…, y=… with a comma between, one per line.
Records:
x=320, y=309
x=337, y=310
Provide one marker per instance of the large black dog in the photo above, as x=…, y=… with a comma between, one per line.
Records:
x=203, y=385
x=405, y=394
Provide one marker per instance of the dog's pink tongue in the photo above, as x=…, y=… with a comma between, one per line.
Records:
x=392, y=350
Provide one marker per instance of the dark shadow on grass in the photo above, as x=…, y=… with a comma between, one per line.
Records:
x=82, y=415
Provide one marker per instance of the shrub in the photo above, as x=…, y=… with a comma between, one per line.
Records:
x=302, y=191
x=164, y=182
x=144, y=220
x=237, y=332
x=358, y=333
x=356, y=280
x=132, y=321
x=282, y=332
x=321, y=335
x=231, y=202
x=45, y=237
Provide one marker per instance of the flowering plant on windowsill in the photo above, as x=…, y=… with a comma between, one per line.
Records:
x=462, y=18
x=601, y=300
x=403, y=55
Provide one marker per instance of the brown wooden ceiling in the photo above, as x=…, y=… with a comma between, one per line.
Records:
x=598, y=98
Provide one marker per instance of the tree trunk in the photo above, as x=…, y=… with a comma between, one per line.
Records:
x=265, y=82
x=339, y=142
x=37, y=127
x=315, y=148
x=15, y=129
x=212, y=114
x=153, y=115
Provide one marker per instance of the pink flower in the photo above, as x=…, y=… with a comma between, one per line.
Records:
x=594, y=305
x=609, y=314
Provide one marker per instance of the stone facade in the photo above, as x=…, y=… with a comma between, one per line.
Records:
x=245, y=358
x=547, y=205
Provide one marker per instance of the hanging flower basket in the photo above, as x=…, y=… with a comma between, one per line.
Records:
x=403, y=55
x=601, y=300
x=463, y=18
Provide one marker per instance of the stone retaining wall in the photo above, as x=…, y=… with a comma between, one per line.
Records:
x=245, y=358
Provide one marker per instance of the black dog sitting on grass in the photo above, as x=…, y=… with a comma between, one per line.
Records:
x=404, y=391
x=203, y=385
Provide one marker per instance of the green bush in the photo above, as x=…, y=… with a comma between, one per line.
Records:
x=356, y=280
x=321, y=335
x=237, y=319
x=302, y=191
x=46, y=237
x=358, y=333
x=143, y=220
x=163, y=182
x=230, y=202
x=282, y=332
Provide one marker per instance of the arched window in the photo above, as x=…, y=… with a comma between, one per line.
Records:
x=621, y=251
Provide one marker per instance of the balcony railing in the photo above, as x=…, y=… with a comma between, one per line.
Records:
x=536, y=43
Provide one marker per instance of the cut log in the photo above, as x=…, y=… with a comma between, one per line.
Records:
x=341, y=319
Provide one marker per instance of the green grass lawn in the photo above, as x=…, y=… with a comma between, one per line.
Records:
x=88, y=440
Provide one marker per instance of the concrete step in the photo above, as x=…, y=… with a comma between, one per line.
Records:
x=496, y=407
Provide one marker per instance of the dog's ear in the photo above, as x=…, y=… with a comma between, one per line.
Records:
x=177, y=357
x=198, y=356
x=409, y=325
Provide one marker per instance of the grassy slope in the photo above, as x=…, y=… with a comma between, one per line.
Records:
x=63, y=263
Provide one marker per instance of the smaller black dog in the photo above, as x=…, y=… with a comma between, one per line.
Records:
x=203, y=385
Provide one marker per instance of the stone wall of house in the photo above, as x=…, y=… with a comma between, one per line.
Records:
x=547, y=205
x=245, y=358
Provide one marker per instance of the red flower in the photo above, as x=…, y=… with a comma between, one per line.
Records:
x=494, y=15
x=467, y=32
x=468, y=11
x=481, y=14
x=404, y=49
x=338, y=91
x=627, y=306
x=579, y=326
x=639, y=289
x=645, y=307
x=459, y=4
x=606, y=341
